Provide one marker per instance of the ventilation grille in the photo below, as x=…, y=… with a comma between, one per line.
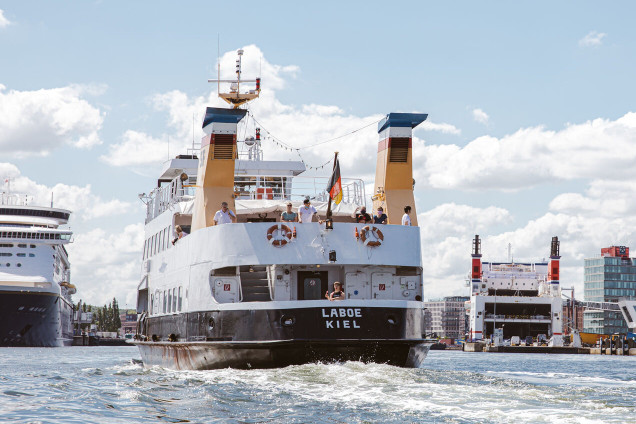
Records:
x=223, y=146
x=399, y=150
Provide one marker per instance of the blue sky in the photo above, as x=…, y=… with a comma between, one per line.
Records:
x=529, y=133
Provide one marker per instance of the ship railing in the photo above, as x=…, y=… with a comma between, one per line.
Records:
x=297, y=188
x=14, y=199
x=258, y=187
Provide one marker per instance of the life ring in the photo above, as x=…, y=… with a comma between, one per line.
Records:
x=284, y=238
x=379, y=237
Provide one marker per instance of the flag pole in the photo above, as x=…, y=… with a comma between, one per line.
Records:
x=335, y=160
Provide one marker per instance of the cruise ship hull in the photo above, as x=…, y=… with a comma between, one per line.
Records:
x=267, y=338
x=34, y=319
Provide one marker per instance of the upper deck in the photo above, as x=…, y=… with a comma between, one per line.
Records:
x=259, y=187
x=15, y=210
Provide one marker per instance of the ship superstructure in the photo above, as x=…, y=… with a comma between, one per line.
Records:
x=35, y=288
x=516, y=299
x=252, y=293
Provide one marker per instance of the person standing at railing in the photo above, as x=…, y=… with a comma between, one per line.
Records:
x=406, y=218
x=289, y=215
x=307, y=212
x=381, y=217
x=224, y=215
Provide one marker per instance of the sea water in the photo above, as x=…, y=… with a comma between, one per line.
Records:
x=104, y=385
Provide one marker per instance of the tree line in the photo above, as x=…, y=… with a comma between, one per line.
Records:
x=105, y=318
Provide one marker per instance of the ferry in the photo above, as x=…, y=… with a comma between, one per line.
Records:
x=35, y=290
x=252, y=293
x=516, y=299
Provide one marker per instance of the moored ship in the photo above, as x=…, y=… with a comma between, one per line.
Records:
x=521, y=299
x=251, y=293
x=35, y=288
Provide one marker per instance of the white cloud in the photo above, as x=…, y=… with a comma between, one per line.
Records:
x=35, y=122
x=107, y=265
x=480, y=116
x=4, y=22
x=442, y=127
x=81, y=201
x=600, y=148
x=592, y=39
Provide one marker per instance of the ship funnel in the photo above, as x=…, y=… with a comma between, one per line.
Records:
x=215, y=179
x=554, y=248
x=394, y=168
x=476, y=246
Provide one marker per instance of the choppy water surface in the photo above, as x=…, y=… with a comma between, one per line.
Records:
x=102, y=385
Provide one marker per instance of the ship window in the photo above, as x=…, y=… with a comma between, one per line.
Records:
x=8, y=264
x=169, y=300
x=174, y=300
x=22, y=246
x=31, y=255
x=152, y=303
x=180, y=300
x=19, y=265
x=6, y=245
x=33, y=246
x=21, y=255
x=6, y=254
x=164, y=302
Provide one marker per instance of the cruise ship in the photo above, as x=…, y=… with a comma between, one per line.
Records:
x=35, y=288
x=251, y=294
x=516, y=298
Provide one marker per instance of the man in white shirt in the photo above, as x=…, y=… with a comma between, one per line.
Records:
x=406, y=219
x=224, y=215
x=307, y=212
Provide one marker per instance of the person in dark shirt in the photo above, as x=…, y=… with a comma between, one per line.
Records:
x=381, y=217
x=337, y=294
x=363, y=217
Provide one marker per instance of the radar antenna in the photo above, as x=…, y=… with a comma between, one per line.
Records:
x=234, y=96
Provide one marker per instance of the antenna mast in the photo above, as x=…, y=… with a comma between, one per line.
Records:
x=235, y=97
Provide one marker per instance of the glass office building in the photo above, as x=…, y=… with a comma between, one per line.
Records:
x=607, y=279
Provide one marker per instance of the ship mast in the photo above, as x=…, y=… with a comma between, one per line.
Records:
x=234, y=96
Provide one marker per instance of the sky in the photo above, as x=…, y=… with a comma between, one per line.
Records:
x=531, y=130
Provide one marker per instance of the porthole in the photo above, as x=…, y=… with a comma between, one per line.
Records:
x=8, y=264
x=19, y=265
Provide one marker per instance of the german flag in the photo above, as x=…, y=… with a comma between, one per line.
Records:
x=335, y=184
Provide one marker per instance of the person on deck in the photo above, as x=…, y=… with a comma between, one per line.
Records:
x=307, y=212
x=289, y=215
x=337, y=294
x=363, y=217
x=381, y=217
x=406, y=218
x=180, y=234
x=224, y=215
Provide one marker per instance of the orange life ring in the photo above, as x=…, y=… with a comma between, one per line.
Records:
x=285, y=235
x=379, y=237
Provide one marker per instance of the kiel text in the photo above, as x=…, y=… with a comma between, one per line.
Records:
x=341, y=317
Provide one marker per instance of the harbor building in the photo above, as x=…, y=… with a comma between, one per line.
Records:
x=446, y=318
x=608, y=278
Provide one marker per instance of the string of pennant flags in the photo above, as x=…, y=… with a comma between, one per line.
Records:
x=285, y=146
